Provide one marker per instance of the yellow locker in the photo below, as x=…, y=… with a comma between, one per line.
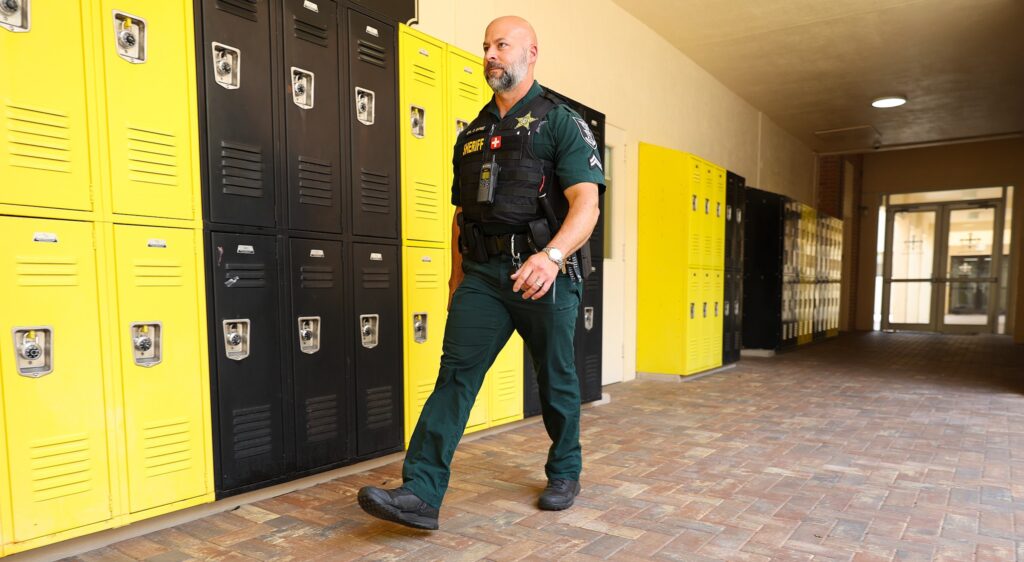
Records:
x=466, y=92
x=662, y=321
x=707, y=228
x=506, y=383
x=147, y=50
x=694, y=210
x=422, y=137
x=694, y=322
x=480, y=415
x=426, y=301
x=718, y=305
x=45, y=160
x=52, y=379
x=159, y=334
x=718, y=220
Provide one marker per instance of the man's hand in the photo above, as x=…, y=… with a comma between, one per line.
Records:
x=536, y=276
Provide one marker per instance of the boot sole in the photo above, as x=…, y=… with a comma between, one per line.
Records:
x=388, y=513
x=558, y=507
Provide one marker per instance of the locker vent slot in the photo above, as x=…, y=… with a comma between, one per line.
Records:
x=39, y=138
x=429, y=279
x=152, y=156
x=591, y=367
x=375, y=192
x=379, y=402
x=322, y=418
x=252, y=431
x=376, y=278
x=312, y=277
x=157, y=274
x=422, y=392
x=166, y=447
x=241, y=169
x=60, y=467
x=47, y=271
x=469, y=92
x=315, y=177
x=241, y=8
x=424, y=74
x=505, y=386
x=373, y=54
x=315, y=34
x=425, y=201
x=245, y=275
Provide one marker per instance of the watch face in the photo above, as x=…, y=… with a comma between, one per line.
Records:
x=555, y=254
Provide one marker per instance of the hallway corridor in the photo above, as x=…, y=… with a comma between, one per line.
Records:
x=866, y=447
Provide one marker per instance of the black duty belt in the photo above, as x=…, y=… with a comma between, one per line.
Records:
x=505, y=244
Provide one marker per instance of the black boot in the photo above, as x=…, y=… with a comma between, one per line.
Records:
x=559, y=494
x=400, y=506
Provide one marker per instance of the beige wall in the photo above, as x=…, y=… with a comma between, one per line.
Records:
x=983, y=164
x=596, y=53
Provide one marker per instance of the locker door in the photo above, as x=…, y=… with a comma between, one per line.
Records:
x=717, y=314
x=718, y=223
x=692, y=335
x=372, y=94
x=588, y=330
x=239, y=111
x=312, y=126
x=146, y=57
x=695, y=210
x=249, y=384
x=426, y=279
x=159, y=333
x=505, y=378
x=421, y=132
x=377, y=286
x=46, y=157
x=52, y=377
x=316, y=336
x=708, y=216
x=728, y=320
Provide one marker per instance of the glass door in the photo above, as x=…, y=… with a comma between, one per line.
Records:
x=908, y=271
x=970, y=268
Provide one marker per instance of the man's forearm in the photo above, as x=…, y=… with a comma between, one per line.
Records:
x=578, y=224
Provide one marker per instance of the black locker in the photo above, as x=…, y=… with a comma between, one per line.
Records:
x=732, y=326
x=377, y=358
x=247, y=372
x=315, y=333
x=239, y=124
x=589, y=336
x=401, y=11
x=761, y=316
x=312, y=122
x=728, y=320
x=371, y=106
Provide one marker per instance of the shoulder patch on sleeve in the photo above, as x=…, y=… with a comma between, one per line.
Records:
x=585, y=132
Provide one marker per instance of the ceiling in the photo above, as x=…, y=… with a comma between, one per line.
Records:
x=814, y=66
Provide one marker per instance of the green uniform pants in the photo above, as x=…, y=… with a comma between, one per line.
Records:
x=483, y=314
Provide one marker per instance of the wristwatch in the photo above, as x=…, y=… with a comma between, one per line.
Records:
x=555, y=255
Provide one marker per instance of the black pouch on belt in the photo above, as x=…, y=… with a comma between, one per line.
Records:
x=471, y=240
x=586, y=260
x=540, y=233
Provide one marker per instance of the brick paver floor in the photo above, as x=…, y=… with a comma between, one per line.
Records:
x=866, y=447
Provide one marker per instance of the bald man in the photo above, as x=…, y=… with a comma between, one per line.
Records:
x=527, y=180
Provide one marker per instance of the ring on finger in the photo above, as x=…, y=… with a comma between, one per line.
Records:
x=539, y=283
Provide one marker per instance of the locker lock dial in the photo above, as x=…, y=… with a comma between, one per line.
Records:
x=418, y=121
x=302, y=87
x=369, y=326
x=33, y=348
x=236, y=338
x=309, y=334
x=227, y=66
x=588, y=318
x=365, y=106
x=130, y=34
x=419, y=327
x=147, y=343
x=14, y=15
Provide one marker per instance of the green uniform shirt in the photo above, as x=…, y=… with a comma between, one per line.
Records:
x=562, y=141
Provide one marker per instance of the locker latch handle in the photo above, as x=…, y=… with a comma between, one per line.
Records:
x=14, y=15
x=33, y=347
x=705, y=309
x=147, y=343
x=237, y=334
x=302, y=87
x=588, y=318
x=227, y=65
x=365, y=106
x=691, y=310
x=419, y=327
x=716, y=310
x=707, y=206
x=718, y=209
x=369, y=330
x=130, y=37
x=309, y=334
x=418, y=121
x=693, y=202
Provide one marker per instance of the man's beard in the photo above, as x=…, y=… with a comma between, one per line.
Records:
x=510, y=77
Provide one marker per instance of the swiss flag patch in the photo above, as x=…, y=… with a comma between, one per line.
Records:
x=495, y=143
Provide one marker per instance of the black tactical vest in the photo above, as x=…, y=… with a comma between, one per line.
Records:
x=522, y=177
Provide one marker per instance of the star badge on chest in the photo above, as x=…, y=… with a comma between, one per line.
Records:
x=525, y=121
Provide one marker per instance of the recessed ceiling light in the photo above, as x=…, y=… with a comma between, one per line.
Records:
x=889, y=101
